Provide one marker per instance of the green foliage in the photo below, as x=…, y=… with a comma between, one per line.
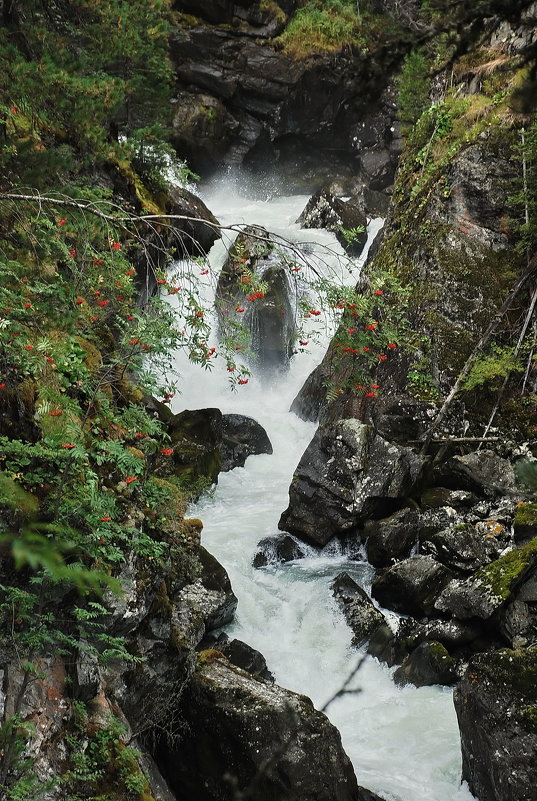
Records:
x=413, y=85
x=101, y=766
x=488, y=368
x=524, y=200
x=59, y=112
x=322, y=27
x=351, y=234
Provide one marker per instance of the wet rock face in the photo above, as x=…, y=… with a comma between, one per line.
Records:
x=361, y=615
x=496, y=704
x=266, y=108
x=325, y=210
x=263, y=738
x=346, y=474
x=241, y=437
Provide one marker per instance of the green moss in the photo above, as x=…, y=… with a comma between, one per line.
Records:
x=500, y=576
x=526, y=515
x=274, y=9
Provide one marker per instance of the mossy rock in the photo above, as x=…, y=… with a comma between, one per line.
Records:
x=525, y=522
x=502, y=576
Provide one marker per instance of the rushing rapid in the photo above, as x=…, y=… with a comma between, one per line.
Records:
x=403, y=742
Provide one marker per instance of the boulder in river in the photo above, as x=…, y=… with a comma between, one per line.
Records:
x=246, y=734
x=346, y=219
x=241, y=437
x=359, y=611
x=346, y=474
x=496, y=704
x=269, y=314
x=281, y=548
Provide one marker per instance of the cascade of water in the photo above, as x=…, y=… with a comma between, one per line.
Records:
x=404, y=743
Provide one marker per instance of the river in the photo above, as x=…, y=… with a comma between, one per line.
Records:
x=403, y=742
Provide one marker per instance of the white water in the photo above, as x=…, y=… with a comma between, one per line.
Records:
x=404, y=743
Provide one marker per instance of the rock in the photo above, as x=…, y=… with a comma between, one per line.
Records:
x=483, y=472
x=286, y=110
x=239, y=654
x=412, y=586
x=367, y=795
x=496, y=704
x=202, y=129
x=196, y=437
x=453, y=634
x=459, y=639
x=325, y=210
x=490, y=587
x=391, y=538
x=400, y=418
x=201, y=231
x=464, y=547
x=359, y=612
x=378, y=168
x=429, y=663
x=269, y=316
x=346, y=474
x=241, y=437
x=391, y=647
x=274, y=550
x=262, y=737
x=218, y=602
x=437, y=497
x=88, y=675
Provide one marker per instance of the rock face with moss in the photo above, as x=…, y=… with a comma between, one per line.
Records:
x=496, y=704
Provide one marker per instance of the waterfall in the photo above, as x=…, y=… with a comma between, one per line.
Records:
x=403, y=742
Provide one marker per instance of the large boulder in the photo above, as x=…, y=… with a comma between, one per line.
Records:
x=196, y=436
x=359, y=612
x=241, y=437
x=199, y=232
x=202, y=128
x=496, y=704
x=346, y=474
x=346, y=219
x=411, y=586
x=247, y=735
